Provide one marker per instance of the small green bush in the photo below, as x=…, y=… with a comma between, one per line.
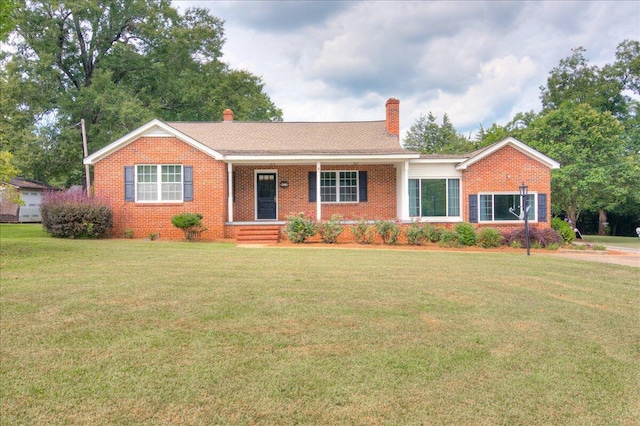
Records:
x=434, y=233
x=73, y=214
x=467, y=234
x=449, y=239
x=330, y=231
x=128, y=233
x=564, y=229
x=190, y=224
x=362, y=232
x=388, y=230
x=299, y=227
x=489, y=237
x=416, y=234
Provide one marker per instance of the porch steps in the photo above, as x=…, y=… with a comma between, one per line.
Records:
x=259, y=234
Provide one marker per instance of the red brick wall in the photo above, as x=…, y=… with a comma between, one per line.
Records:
x=504, y=171
x=381, y=202
x=209, y=189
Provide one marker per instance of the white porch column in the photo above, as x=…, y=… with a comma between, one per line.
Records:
x=404, y=192
x=230, y=191
x=318, y=199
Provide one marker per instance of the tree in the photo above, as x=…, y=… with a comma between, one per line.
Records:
x=115, y=64
x=7, y=172
x=574, y=80
x=589, y=146
x=6, y=23
x=429, y=137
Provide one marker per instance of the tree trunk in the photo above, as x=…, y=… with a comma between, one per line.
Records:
x=602, y=223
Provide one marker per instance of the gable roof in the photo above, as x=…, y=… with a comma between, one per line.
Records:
x=481, y=153
x=23, y=183
x=237, y=140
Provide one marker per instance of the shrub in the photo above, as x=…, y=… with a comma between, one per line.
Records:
x=564, y=229
x=537, y=237
x=388, y=230
x=154, y=236
x=128, y=233
x=434, y=234
x=299, y=227
x=467, y=234
x=190, y=224
x=489, y=237
x=416, y=234
x=449, y=239
x=330, y=231
x=362, y=232
x=73, y=214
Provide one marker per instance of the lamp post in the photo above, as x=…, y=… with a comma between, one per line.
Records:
x=525, y=211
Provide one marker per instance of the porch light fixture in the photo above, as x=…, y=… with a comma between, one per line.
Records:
x=284, y=184
x=525, y=211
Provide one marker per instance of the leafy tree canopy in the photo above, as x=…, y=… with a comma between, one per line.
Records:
x=115, y=64
x=429, y=137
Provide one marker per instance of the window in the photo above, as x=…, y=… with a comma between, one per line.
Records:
x=498, y=207
x=339, y=187
x=434, y=197
x=157, y=183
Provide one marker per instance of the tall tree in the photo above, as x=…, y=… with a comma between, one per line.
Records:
x=589, y=146
x=429, y=137
x=115, y=64
x=575, y=81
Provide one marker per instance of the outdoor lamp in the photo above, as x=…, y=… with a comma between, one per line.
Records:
x=525, y=210
x=284, y=184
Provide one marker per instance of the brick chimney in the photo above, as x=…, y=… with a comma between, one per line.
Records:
x=227, y=114
x=393, y=117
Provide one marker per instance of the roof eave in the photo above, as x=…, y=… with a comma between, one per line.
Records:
x=143, y=130
x=313, y=158
x=515, y=143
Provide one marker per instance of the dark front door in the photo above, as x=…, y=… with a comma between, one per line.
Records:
x=266, y=193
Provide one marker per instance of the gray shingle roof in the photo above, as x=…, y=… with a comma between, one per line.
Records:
x=285, y=138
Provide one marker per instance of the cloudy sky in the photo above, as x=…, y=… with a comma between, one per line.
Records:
x=479, y=62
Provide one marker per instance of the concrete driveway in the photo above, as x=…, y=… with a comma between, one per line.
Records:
x=615, y=255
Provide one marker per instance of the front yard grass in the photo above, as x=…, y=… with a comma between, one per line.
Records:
x=154, y=332
x=628, y=242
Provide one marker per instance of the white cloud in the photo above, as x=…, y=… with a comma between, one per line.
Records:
x=480, y=62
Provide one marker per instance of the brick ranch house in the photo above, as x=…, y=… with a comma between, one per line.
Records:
x=246, y=178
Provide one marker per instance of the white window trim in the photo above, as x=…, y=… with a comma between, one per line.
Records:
x=337, y=172
x=501, y=222
x=158, y=184
x=443, y=219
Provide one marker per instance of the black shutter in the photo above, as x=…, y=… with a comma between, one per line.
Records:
x=473, y=208
x=312, y=187
x=362, y=186
x=129, y=193
x=188, y=182
x=542, y=207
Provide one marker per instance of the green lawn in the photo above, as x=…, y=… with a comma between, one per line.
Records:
x=629, y=242
x=140, y=332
